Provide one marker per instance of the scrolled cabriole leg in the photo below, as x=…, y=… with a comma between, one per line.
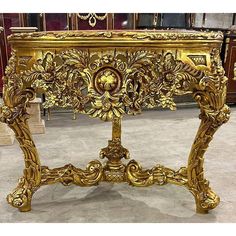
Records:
x=28, y=184
x=210, y=95
x=16, y=97
x=205, y=197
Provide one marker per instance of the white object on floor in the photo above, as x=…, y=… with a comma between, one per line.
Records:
x=7, y=136
x=36, y=124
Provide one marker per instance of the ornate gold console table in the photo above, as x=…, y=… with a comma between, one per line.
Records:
x=106, y=75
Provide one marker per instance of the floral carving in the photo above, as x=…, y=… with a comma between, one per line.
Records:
x=108, y=84
x=124, y=81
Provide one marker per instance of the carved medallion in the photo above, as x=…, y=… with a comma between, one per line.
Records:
x=107, y=79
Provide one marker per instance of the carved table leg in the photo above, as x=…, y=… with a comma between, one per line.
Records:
x=28, y=184
x=13, y=112
x=213, y=114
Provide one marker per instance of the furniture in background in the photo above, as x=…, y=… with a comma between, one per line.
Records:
x=230, y=65
x=7, y=136
x=214, y=20
x=36, y=123
x=164, y=20
x=3, y=57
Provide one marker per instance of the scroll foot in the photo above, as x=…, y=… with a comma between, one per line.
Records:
x=21, y=196
x=206, y=200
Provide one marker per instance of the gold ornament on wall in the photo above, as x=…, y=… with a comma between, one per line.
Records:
x=92, y=17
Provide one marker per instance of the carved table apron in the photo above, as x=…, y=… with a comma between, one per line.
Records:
x=107, y=74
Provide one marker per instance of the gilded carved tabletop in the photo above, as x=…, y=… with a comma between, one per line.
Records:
x=107, y=74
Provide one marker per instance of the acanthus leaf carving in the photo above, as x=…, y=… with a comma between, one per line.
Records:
x=107, y=83
x=110, y=83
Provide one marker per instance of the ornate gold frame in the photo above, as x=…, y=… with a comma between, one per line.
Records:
x=107, y=74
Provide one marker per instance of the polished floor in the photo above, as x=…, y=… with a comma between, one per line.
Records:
x=162, y=137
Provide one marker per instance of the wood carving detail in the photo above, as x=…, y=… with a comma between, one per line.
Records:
x=211, y=95
x=108, y=84
x=134, y=35
x=69, y=174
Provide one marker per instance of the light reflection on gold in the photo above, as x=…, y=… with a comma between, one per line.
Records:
x=109, y=75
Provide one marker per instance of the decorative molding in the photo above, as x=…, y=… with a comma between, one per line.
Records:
x=135, y=35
